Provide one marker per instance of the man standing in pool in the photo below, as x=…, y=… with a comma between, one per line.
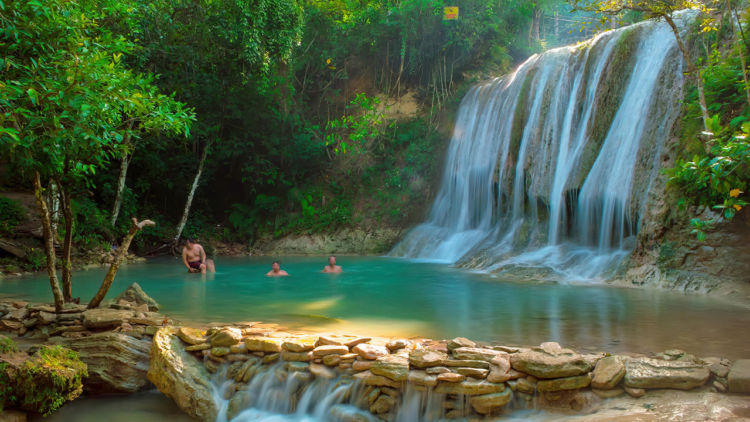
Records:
x=276, y=270
x=194, y=258
x=332, y=267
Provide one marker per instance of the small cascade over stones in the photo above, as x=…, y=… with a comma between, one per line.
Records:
x=549, y=167
x=237, y=374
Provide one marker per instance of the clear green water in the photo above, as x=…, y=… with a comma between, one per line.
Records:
x=394, y=297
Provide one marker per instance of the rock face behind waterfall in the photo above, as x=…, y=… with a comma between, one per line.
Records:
x=180, y=376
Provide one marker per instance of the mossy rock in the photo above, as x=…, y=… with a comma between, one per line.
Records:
x=7, y=345
x=43, y=382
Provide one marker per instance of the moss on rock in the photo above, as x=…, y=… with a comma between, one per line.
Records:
x=7, y=345
x=43, y=382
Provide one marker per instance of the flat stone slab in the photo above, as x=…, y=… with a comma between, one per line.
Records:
x=739, y=377
x=470, y=387
x=550, y=362
x=105, y=318
x=392, y=366
x=654, y=373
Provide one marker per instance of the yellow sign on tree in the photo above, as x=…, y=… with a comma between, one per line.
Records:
x=450, y=13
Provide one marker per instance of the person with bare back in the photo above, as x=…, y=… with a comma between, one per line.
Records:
x=332, y=267
x=276, y=270
x=194, y=258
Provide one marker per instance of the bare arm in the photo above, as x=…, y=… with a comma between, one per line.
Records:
x=184, y=258
x=203, y=255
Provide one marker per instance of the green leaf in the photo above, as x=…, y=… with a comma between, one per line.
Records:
x=33, y=96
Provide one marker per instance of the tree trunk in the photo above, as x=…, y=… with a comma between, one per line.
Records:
x=124, y=163
x=53, y=203
x=691, y=69
x=49, y=247
x=189, y=202
x=67, y=266
x=121, y=254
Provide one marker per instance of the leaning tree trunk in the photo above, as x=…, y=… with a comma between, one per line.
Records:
x=49, y=247
x=189, y=202
x=67, y=266
x=121, y=254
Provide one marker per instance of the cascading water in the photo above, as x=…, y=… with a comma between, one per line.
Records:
x=549, y=167
x=278, y=394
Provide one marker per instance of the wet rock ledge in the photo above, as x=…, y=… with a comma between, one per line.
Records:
x=469, y=380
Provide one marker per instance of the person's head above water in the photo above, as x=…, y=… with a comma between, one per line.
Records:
x=276, y=269
x=189, y=241
x=332, y=267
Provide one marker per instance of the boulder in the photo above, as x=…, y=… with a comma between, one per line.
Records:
x=191, y=335
x=608, y=372
x=501, y=371
x=383, y=404
x=476, y=353
x=180, y=376
x=296, y=356
x=477, y=373
x=419, y=377
x=42, y=382
x=135, y=294
x=561, y=384
x=739, y=377
x=118, y=363
x=450, y=377
x=653, y=373
x=397, y=344
x=331, y=349
x=460, y=342
x=392, y=367
x=263, y=344
x=226, y=337
x=105, y=318
x=426, y=358
x=485, y=404
x=299, y=344
x=634, y=392
x=550, y=361
x=362, y=365
x=369, y=351
x=359, y=340
x=470, y=387
x=368, y=378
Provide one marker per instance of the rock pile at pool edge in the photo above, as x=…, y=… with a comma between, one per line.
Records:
x=476, y=381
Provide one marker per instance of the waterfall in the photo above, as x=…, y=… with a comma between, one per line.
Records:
x=279, y=393
x=548, y=168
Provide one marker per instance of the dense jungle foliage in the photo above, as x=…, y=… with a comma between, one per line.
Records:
x=282, y=106
x=232, y=120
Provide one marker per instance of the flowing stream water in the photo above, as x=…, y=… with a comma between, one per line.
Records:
x=549, y=167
